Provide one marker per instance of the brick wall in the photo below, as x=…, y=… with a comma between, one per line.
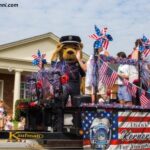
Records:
x=8, y=90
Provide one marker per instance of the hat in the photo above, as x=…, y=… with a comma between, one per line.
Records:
x=70, y=39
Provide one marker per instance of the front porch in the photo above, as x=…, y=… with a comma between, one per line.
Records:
x=12, y=81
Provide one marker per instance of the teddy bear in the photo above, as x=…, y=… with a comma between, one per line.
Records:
x=67, y=60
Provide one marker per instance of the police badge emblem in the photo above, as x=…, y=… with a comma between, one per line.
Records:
x=100, y=133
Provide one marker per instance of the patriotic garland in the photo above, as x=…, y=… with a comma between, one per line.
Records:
x=114, y=105
x=112, y=60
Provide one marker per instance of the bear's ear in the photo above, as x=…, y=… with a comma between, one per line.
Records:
x=57, y=52
x=81, y=46
x=59, y=46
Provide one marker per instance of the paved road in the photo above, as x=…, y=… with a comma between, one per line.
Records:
x=24, y=145
x=29, y=145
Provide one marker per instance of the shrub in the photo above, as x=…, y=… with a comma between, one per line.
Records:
x=19, y=111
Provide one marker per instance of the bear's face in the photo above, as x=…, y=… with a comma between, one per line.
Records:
x=69, y=52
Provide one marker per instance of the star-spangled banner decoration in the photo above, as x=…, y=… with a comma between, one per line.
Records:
x=39, y=59
x=127, y=129
x=144, y=98
x=102, y=39
x=88, y=117
x=145, y=47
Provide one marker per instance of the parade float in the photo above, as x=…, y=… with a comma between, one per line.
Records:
x=57, y=110
x=115, y=126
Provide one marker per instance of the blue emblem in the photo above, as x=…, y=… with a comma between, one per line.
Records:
x=100, y=133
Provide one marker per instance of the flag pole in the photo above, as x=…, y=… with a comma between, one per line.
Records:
x=139, y=68
x=95, y=73
x=138, y=44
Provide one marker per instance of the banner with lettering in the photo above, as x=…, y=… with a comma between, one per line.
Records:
x=116, y=129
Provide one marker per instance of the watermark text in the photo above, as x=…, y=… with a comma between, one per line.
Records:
x=8, y=5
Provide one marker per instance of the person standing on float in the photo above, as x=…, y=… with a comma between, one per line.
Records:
x=124, y=96
x=93, y=86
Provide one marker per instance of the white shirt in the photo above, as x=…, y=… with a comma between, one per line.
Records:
x=133, y=71
x=89, y=72
x=123, y=70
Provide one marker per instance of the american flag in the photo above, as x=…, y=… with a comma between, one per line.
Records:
x=102, y=70
x=132, y=89
x=144, y=99
x=134, y=130
x=129, y=129
x=89, y=116
x=110, y=77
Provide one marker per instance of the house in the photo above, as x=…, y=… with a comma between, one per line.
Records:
x=15, y=64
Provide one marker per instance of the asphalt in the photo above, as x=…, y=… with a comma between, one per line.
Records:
x=29, y=145
x=23, y=145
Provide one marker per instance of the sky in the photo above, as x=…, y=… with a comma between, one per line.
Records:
x=126, y=20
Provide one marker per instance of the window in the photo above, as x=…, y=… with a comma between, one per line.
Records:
x=1, y=88
x=23, y=90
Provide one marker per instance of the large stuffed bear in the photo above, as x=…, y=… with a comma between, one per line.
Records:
x=66, y=61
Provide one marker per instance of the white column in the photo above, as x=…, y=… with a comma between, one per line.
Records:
x=17, y=82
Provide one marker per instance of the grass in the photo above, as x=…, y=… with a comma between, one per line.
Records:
x=15, y=124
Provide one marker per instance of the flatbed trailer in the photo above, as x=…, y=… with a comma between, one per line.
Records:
x=130, y=125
